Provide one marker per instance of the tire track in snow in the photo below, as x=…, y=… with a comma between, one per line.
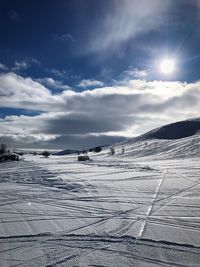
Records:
x=143, y=227
x=71, y=250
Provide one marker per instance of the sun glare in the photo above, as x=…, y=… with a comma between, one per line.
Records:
x=167, y=66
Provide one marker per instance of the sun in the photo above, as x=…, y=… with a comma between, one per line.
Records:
x=167, y=66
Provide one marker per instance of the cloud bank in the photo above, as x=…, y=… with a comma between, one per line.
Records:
x=102, y=115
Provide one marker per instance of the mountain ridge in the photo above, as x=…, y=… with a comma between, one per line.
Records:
x=176, y=130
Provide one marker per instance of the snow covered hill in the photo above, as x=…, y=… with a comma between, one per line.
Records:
x=161, y=149
x=139, y=207
x=177, y=140
x=175, y=130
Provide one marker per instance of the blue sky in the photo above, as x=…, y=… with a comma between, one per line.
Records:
x=81, y=73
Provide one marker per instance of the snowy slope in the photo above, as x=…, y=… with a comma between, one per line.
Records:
x=137, y=208
x=161, y=149
x=176, y=140
x=175, y=130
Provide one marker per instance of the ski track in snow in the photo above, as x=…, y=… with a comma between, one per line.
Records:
x=112, y=211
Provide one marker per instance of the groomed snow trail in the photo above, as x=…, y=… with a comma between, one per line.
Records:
x=113, y=211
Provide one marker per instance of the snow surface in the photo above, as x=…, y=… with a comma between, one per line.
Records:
x=140, y=208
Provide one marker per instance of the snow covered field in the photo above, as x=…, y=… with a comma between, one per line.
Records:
x=132, y=209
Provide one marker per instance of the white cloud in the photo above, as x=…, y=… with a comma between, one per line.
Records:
x=34, y=61
x=136, y=73
x=52, y=83
x=125, y=109
x=90, y=83
x=24, y=64
x=125, y=19
x=58, y=73
x=20, y=65
x=19, y=92
x=3, y=66
x=66, y=37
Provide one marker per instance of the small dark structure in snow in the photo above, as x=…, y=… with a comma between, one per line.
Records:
x=45, y=154
x=96, y=149
x=6, y=154
x=112, y=151
x=9, y=156
x=83, y=158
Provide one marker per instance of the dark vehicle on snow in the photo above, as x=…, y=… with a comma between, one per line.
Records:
x=83, y=158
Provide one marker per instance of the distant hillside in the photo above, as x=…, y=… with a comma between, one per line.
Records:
x=176, y=140
x=175, y=130
x=65, y=152
x=71, y=151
